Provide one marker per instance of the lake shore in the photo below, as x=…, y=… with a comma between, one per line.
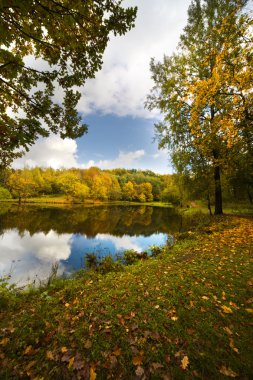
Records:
x=183, y=314
x=65, y=201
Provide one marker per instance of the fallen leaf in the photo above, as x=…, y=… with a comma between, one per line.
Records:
x=249, y=310
x=228, y=331
x=4, y=341
x=232, y=345
x=157, y=366
x=117, y=351
x=228, y=372
x=137, y=360
x=174, y=318
x=93, y=374
x=226, y=309
x=88, y=344
x=139, y=371
x=50, y=355
x=184, y=362
x=28, y=350
x=64, y=349
x=71, y=362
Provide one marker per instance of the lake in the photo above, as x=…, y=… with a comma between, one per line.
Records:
x=32, y=238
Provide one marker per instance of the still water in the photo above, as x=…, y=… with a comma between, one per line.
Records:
x=33, y=238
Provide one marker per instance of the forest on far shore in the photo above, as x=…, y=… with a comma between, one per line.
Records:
x=81, y=185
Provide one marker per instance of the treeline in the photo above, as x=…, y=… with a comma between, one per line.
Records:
x=83, y=185
x=88, y=184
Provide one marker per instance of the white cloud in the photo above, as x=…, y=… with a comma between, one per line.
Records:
x=123, y=83
x=56, y=153
x=128, y=160
x=52, y=151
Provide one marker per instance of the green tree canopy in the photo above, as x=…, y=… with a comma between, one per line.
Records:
x=69, y=37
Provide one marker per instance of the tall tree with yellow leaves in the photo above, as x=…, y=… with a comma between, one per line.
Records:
x=204, y=91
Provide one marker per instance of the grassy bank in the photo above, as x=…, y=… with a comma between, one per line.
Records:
x=62, y=200
x=186, y=314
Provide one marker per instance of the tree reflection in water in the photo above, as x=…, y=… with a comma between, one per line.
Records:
x=34, y=237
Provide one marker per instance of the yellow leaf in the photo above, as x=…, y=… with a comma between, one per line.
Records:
x=71, y=362
x=174, y=318
x=249, y=310
x=228, y=372
x=93, y=374
x=137, y=360
x=4, y=341
x=28, y=350
x=184, y=362
x=50, y=355
x=66, y=304
x=117, y=351
x=64, y=349
x=228, y=331
x=226, y=309
x=232, y=345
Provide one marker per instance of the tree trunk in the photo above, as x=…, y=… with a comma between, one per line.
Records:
x=218, y=193
x=209, y=204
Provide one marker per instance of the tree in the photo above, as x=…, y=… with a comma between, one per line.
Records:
x=22, y=184
x=128, y=191
x=68, y=38
x=190, y=89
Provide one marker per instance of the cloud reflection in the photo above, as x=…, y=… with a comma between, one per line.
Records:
x=28, y=257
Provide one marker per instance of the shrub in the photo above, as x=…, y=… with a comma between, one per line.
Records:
x=107, y=264
x=155, y=250
x=130, y=256
x=91, y=261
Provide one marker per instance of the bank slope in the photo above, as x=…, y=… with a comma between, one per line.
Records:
x=186, y=314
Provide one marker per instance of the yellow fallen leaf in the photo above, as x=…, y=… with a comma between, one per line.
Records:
x=64, y=349
x=232, y=345
x=28, y=350
x=93, y=374
x=249, y=310
x=66, y=304
x=50, y=355
x=174, y=318
x=228, y=372
x=4, y=341
x=71, y=362
x=137, y=360
x=184, y=362
x=226, y=309
x=117, y=351
x=228, y=331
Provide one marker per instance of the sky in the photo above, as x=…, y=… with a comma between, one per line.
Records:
x=121, y=130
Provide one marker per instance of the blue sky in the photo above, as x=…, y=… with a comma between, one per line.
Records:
x=112, y=104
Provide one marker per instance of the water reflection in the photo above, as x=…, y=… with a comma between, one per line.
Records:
x=32, y=238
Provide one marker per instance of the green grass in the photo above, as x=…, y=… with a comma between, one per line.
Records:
x=61, y=199
x=186, y=314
